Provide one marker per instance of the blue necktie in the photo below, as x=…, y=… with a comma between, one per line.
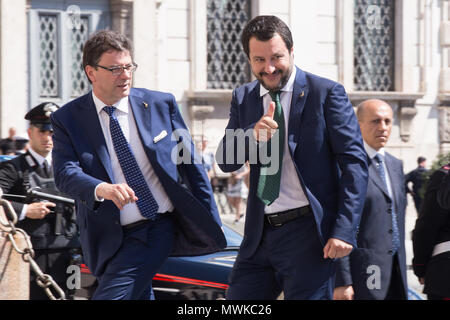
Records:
x=395, y=234
x=133, y=175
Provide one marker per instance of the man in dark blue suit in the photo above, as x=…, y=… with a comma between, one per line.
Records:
x=305, y=203
x=376, y=269
x=115, y=151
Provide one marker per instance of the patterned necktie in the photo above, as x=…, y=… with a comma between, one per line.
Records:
x=395, y=233
x=269, y=184
x=133, y=175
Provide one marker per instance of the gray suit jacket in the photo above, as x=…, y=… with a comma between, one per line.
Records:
x=368, y=268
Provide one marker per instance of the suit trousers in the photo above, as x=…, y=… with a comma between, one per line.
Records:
x=129, y=273
x=289, y=259
x=396, y=289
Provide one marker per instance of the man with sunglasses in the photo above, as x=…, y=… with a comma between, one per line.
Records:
x=113, y=154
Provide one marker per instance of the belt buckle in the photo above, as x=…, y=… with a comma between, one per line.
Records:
x=275, y=225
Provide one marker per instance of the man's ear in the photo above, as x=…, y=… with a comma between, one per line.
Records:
x=90, y=72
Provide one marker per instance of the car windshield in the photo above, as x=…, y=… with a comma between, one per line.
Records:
x=234, y=239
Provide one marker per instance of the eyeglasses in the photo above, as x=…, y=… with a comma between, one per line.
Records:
x=117, y=71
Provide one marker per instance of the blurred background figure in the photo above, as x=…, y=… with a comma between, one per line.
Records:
x=431, y=238
x=21, y=145
x=416, y=177
x=8, y=145
x=237, y=190
x=207, y=158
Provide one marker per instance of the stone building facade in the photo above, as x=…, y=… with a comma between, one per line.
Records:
x=397, y=50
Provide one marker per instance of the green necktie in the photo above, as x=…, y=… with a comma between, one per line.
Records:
x=269, y=183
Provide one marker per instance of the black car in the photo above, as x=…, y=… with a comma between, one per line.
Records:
x=185, y=278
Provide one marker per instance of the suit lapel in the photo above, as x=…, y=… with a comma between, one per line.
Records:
x=88, y=113
x=254, y=114
x=299, y=95
x=375, y=177
x=394, y=174
x=142, y=112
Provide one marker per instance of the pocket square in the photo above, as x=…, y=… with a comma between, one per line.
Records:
x=160, y=136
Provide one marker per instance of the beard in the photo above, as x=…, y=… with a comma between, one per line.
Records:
x=283, y=80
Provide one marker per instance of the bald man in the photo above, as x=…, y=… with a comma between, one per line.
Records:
x=376, y=269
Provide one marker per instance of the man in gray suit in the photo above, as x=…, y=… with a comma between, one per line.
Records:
x=376, y=269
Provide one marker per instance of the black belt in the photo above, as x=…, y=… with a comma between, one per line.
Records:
x=142, y=222
x=280, y=218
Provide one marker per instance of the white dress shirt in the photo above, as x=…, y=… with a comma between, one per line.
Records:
x=130, y=212
x=292, y=194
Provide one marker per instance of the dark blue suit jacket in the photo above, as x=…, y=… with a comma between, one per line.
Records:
x=374, y=238
x=326, y=146
x=81, y=161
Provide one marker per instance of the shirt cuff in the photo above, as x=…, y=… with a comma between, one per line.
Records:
x=99, y=199
x=23, y=213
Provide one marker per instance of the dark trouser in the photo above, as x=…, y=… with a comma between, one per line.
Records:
x=396, y=290
x=129, y=273
x=55, y=263
x=289, y=259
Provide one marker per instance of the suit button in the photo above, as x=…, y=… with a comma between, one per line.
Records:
x=390, y=252
x=389, y=211
x=390, y=231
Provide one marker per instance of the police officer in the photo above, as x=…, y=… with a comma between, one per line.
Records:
x=431, y=239
x=416, y=176
x=50, y=225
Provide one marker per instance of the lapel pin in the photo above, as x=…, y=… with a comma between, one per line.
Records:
x=302, y=94
x=145, y=104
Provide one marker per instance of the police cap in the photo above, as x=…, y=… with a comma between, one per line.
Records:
x=39, y=116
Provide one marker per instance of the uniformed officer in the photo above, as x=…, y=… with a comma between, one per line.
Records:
x=431, y=238
x=50, y=225
x=416, y=176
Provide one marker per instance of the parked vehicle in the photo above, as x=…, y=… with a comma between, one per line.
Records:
x=185, y=278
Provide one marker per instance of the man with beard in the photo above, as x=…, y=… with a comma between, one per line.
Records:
x=304, y=204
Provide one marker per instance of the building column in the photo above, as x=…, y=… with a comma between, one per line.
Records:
x=122, y=16
x=13, y=65
x=444, y=80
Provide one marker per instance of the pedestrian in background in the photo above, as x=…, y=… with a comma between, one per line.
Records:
x=237, y=191
x=376, y=268
x=416, y=177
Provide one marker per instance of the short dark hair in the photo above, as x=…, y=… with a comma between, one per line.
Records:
x=101, y=42
x=420, y=160
x=264, y=28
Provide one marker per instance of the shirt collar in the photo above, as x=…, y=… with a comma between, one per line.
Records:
x=372, y=152
x=289, y=86
x=40, y=159
x=121, y=105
